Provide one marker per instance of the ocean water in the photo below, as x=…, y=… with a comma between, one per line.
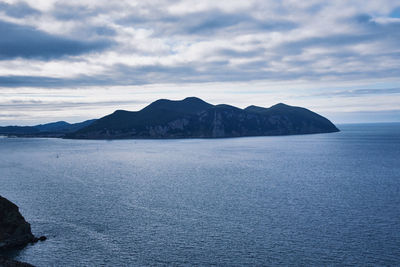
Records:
x=325, y=199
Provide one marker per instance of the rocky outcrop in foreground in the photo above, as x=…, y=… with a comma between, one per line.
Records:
x=14, y=230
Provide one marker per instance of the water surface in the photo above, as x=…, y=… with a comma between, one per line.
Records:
x=326, y=199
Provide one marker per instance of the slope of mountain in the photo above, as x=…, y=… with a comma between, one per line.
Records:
x=54, y=129
x=194, y=118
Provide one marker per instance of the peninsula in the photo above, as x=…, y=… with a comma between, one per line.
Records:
x=188, y=118
x=195, y=118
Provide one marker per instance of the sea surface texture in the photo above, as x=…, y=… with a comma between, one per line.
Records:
x=324, y=199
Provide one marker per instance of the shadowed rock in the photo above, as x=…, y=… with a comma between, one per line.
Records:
x=14, y=230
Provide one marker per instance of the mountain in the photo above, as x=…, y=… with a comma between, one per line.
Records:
x=195, y=118
x=54, y=129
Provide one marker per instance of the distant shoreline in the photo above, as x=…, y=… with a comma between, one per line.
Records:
x=160, y=138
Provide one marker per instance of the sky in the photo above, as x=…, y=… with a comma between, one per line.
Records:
x=77, y=60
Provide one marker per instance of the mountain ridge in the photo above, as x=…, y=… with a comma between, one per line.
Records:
x=194, y=118
x=52, y=129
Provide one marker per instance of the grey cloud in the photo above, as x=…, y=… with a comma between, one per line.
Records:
x=222, y=70
x=214, y=20
x=16, y=101
x=254, y=65
x=360, y=92
x=104, y=31
x=218, y=71
x=31, y=81
x=83, y=13
x=257, y=52
x=337, y=40
x=51, y=105
x=208, y=22
x=368, y=31
x=373, y=91
x=204, y=22
x=6, y=116
x=64, y=11
x=51, y=82
x=27, y=42
x=209, y=25
x=376, y=29
x=18, y=10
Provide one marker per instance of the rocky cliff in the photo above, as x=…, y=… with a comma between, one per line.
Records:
x=14, y=230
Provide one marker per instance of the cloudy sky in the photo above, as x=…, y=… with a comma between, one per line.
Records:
x=75, y=60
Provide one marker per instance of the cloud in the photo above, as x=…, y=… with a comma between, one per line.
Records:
x=62, y=11
x=33, y=81
x=205, y=22
x=360, y=92
x=211, y=21
x=51, y=105
x=51, y=82
x=27, y=42
x=208, y=22
x=366, y=31
x=18, y=10
x=243, y=42
x=97, y=44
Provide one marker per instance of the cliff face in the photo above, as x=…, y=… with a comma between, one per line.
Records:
x=14, y=230
x=194, y=118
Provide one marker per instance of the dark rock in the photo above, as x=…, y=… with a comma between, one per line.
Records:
x=15, y=232
x=42, y=238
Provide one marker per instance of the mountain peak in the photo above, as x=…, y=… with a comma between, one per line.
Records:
x=254, y=108
x=280, y=105
x=193, y=99
x=189, y=105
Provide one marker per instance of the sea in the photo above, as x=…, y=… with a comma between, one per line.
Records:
x=321, y=199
